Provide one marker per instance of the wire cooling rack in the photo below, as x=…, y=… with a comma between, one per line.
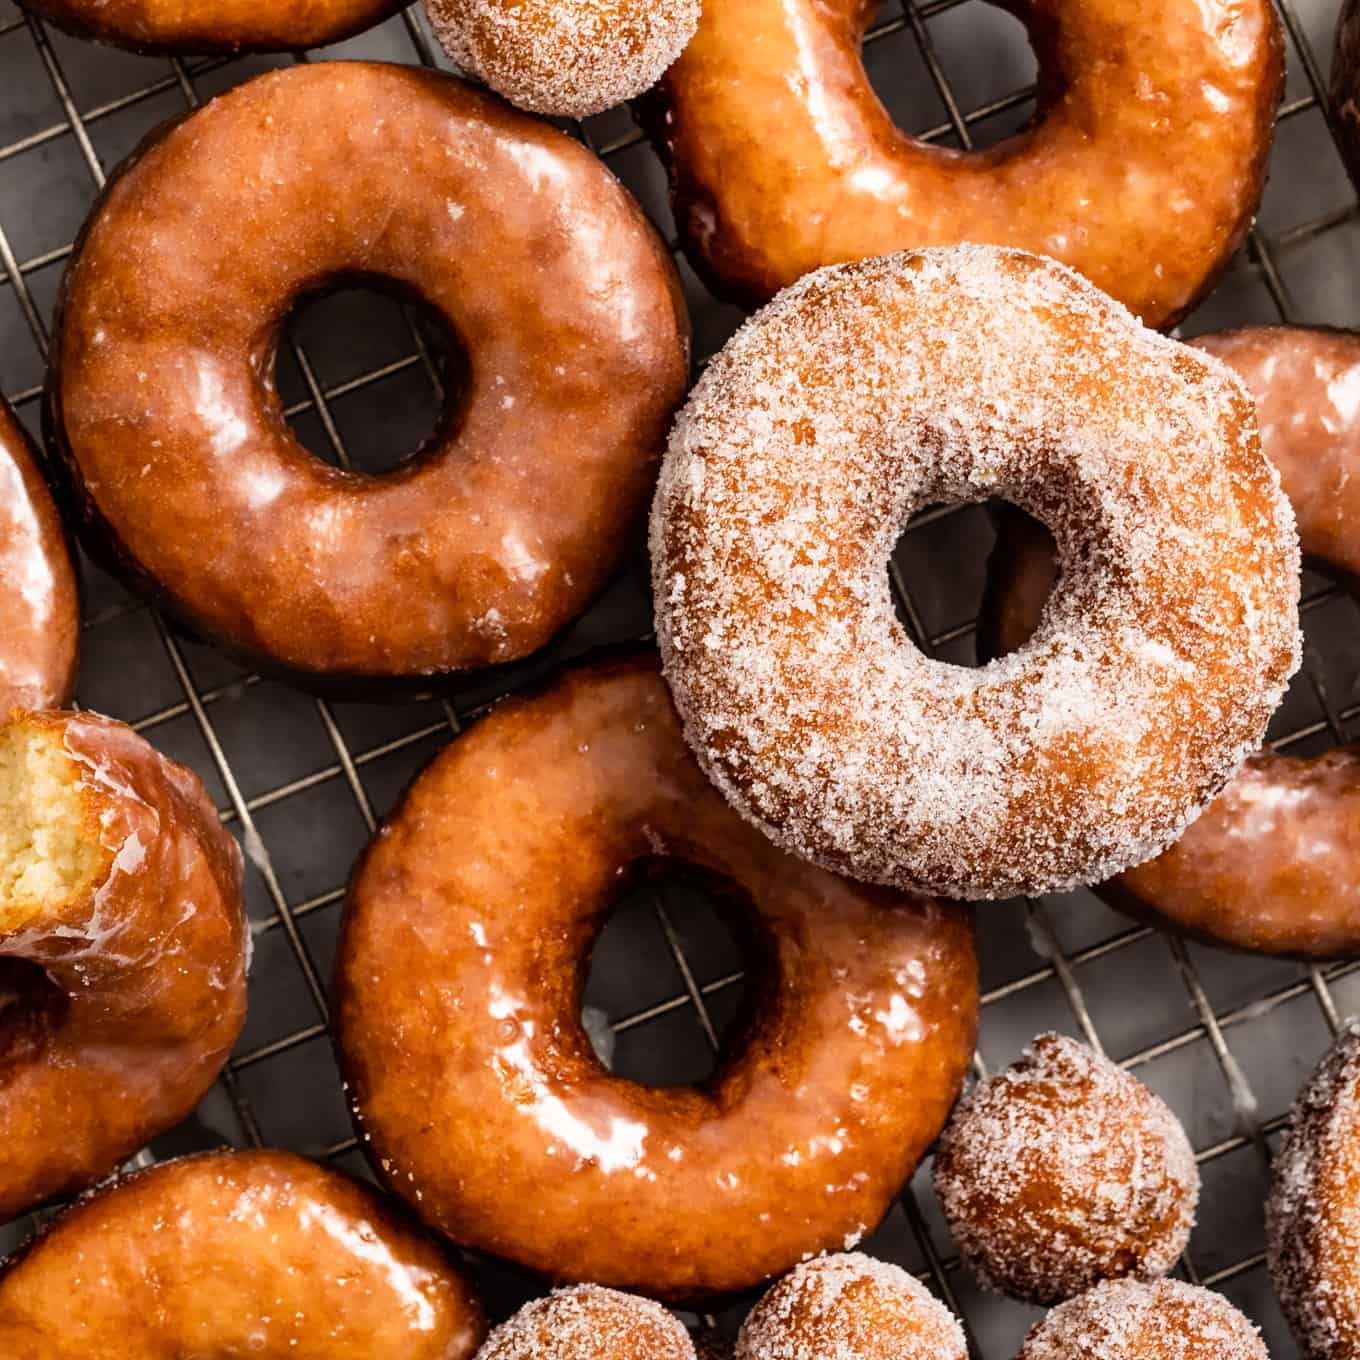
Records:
x=1226, y=1040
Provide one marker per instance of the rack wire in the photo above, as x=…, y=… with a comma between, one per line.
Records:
x=303, y=782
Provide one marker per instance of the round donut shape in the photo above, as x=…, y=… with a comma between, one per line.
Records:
x=868, y=391
x=1273, y=866
x=478, y=1098
x=162, y=404
x=1141, y=169
x=585, y=1322
x=234, y=1254
x=215, y=25
x=39, y=600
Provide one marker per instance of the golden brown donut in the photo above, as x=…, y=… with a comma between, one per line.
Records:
x=123, y=950
x=1142, y=167
x=215, y=25
x=458, y=987
x=162, y=399
x=1063, y=1170
x=1272, y=865
x=258, y=1254
x=39, y=604
x=585, y=1322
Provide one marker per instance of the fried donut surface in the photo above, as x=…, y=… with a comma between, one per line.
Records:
x=39, y=601
x=236, y=1254
x=586, y=1322
x=1271, y=867
x=1142, y=168
x=868, y=391
x=123, y=950
x=462, y=960
x=162, y=402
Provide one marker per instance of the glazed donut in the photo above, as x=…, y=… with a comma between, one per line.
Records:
x=1271, y=866
x=458, y=987
x=1130, y=1320
x=39, y=605
x=1062, y=1171
x=215, y=25
x=123, y=950
x=586, y=1322
x=227, y=1254
x=567, y=57
x=1313, y=1214
x=850, y=1307
x=867, y=391
x=1141, y=169
x=163, y=407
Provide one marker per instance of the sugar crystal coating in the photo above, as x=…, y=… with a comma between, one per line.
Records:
x=586, y=1322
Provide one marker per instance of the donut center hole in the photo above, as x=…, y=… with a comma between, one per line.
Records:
x=370, y=376
x=666, y=982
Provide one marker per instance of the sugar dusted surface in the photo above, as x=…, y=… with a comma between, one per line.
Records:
x=571, y=58
x=587, y=1322
x=868, y=391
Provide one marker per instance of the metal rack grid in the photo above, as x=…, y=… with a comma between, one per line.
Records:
x=302, y=782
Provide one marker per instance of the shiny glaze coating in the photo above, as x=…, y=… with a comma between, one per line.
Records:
x=483, y=547
x=1346, y=86
x=258, y=1254
x=146, y=974
x=1142, y=168
x=39, y=604
x=1273, y=866
x=461, y=965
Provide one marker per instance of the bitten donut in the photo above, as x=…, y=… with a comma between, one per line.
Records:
x=1141, y=168
x=462, y=959
x=1272, y=866
x=215, y=25
x=1063, y=1171
x=1313, y=1214
x=123, y=950
x=850, y=1307
x=235, y=1254
x=567, y=57
x=163, y=407
x=586, y=1322
x=868, y=391
x=39, y=605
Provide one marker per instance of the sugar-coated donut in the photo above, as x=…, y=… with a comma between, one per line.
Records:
x=236, y=1254
x=1273, y=866
x=163, y=406
x=850, y=1307
x=1131, y=1320
x=1313, y=1214
x=39, y=603
x=567, y=57
x=1063, y=1170
x=123, y=950
x=585, y=1322
x=868, y=391
x=1142, y=167
x=215, y=25
x=458, y=987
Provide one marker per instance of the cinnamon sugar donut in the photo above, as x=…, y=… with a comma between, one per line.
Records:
x=1062, y=1171
x=463, y=955
x=870, y=390
x=235, y=1254
x=567, y=57
x=586, y=1322
x=1272, y=865
x=162, y=401
x=39, y=605
x=850, y=1307
x=1141, y=168
x=123, y=950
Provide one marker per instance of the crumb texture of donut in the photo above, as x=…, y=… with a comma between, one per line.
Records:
x=1132, y=1320
x=569, y=58
x=869, y=391
x=586, y=1322
x=850, y=1307
x=1063, y=1171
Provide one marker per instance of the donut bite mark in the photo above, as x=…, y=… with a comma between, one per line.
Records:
x=234, y=1254
x=586, y=1322
x=123, y=950
x=476, y=1093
